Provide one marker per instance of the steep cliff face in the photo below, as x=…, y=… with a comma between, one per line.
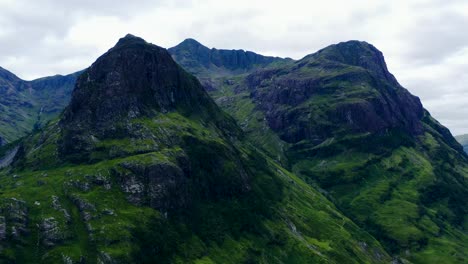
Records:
x=345, y=87
x=144, y=167
x=25, y=105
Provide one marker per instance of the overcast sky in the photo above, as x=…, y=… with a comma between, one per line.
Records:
x=425, y=42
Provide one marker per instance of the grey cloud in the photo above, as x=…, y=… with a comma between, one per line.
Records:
x=430, y=39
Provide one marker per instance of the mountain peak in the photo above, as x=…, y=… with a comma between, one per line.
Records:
x=130, y=39
x=358, y=53
x=191, y=42
x=134, y=76
x=135, y=79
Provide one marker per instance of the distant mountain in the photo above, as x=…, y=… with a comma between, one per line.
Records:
x=341, y=121
x=206, y=63
x=463, y=140
x=144, y=167
x=25, y=105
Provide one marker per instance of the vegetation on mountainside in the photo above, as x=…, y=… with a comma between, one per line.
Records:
x=168, y=181
x=337, y=164
x=341, y=121
x=279, y=219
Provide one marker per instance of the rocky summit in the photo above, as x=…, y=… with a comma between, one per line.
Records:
x=133, y=80
x=349, y=89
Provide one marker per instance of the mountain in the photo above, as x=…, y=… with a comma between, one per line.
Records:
x=341, y=121
x=463, y=140
x=327, y=159
x=207, y=63
x=144, y=167
x=25, y=105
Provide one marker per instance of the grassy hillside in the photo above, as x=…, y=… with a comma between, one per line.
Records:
x=87, y=211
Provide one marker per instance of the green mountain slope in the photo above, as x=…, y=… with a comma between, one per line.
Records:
x=341, y=121
x=25, y=105
x=463, y=140
x=143, y=167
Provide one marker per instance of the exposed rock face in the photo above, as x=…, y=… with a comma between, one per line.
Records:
x=8, y=158
x=360, y=54
x=50, y=232
x=54, y=92
x=14, y=219
x=161, y=186
x=3, y=231
x=57, y=206
x=348, y=85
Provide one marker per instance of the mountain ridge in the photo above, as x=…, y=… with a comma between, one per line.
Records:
x=337, y=162
x=180, y=185
x=204, y=62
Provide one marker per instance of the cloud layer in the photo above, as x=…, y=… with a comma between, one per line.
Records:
x=424, y=41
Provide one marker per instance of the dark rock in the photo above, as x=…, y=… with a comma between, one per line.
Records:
x=161, y=186
x=8, y=158
x=2, y=228
x=360, y=54
x=132, y=80
x=100, y=180
x=15, y=215
x=81, y=185
x=66, y=259
x=105, y=258
x=376, y=104
x=57, y=206
x=108, y=211
x=82, y=204
x=50, y=232
x=56, y=203
x=84, y=207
